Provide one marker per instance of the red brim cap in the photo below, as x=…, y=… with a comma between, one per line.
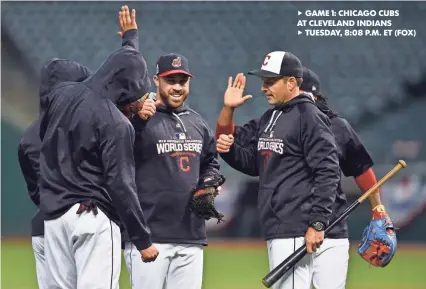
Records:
x=176, y=71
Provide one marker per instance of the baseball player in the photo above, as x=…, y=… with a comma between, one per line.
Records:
x=355, y=161
x=87, y=171
x=176, y=165
x=53, y=73
x=292, y=150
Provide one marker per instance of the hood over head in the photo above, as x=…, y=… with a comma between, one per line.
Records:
x=123, y=78
x=56, y=71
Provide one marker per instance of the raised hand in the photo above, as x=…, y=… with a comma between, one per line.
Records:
x=233, y=97
x=126, y=20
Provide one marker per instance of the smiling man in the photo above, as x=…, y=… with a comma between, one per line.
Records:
x=176, y=159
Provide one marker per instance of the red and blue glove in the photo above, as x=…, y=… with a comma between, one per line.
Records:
x=378, y=244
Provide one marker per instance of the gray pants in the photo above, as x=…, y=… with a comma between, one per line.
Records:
x=38, y=248
x=82, y=251
x=180, y=266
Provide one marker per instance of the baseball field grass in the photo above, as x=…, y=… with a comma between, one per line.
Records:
x=240, y=266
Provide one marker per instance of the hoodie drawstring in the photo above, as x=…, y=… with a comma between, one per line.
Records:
x=181, y=122
x=272, y=121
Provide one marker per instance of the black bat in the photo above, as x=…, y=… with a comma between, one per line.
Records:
x=279, y=271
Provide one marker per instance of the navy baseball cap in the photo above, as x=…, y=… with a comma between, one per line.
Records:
x=311, y=82
x=279, y=63
x=172, y=63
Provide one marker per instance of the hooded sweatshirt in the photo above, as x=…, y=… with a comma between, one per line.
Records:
x=53, y=73
x=292, y=150
x=175, y=151
x=87, y=143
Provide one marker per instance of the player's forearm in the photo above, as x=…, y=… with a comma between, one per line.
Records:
x=225, y=123
x=375, y=200
x=131, y=38
x=35, y=197
x=129, y=210
x=322, y=158
x=365, y=182
x=242, y=159
x=327, y=178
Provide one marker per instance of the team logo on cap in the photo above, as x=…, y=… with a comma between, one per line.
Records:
x=177, y=62
x=158, y=69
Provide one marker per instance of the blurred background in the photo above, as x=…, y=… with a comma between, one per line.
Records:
x=377, y=83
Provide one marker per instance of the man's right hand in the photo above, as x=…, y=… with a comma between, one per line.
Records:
x=233, y=97
x=224, y=143
x=149, y=254
x=127, y=20
x=149, y=108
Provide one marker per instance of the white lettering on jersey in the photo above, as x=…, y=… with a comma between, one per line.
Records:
x=182, y=145
x=275, y=145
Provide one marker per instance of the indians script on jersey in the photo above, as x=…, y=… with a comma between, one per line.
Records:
x=269, y=144
x=180, y=145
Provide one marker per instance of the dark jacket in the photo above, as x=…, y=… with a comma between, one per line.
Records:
x=354, y=160
x=53, y=73
x=292, y=150
x=87, y=143
x=175, y=151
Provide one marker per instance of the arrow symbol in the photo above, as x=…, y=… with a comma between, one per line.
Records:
x=299, y=13
x=299, y=32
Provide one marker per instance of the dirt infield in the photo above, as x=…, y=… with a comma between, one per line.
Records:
x=238, y=243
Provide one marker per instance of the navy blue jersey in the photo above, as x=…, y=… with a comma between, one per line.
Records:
x=292, y=149
x=87, y=143
x=354, y=160
x=53, y=73
x=175, y=151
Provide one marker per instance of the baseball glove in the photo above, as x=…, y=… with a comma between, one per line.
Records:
x=378, y=244
x=202, y=202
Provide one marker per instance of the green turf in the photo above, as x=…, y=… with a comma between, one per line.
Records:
x=239, y=268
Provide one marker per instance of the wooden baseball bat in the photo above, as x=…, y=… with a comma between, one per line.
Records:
x=279, y=271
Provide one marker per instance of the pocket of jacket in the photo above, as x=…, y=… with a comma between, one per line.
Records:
x=266, y=211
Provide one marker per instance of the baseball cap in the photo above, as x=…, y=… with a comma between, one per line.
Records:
x=311, y=82
x=279, y=63
x=172, y=63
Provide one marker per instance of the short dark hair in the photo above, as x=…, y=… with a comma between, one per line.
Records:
x=298, y=80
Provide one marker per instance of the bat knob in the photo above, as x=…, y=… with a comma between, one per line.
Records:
x=402, y=163
x=266, y=284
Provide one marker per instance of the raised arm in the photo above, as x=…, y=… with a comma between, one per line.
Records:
x=128, y=28
x=117, y=157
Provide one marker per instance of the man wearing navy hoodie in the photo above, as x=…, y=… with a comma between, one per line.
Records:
x=175, y=152
x=292, y=149
x=52, y=74
x=87, y=173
